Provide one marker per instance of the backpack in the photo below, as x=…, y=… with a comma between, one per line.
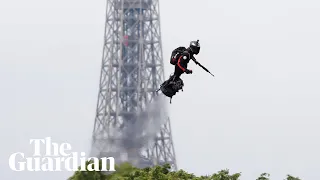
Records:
x=176, y=54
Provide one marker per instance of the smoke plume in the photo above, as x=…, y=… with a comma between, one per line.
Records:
x=138, y=132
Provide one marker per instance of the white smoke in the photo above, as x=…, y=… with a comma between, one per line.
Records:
x=149, y=122
x=139, y=133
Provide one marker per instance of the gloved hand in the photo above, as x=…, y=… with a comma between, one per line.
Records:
x=188, y=71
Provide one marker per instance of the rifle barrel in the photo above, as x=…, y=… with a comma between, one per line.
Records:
x=194, y=59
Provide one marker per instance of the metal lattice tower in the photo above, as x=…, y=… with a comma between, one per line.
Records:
x=132, y=70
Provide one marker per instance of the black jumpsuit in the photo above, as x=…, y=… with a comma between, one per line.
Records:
x=182, y=64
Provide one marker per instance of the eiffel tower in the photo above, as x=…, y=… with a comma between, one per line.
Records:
x=131, y=123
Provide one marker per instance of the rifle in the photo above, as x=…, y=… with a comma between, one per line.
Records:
x=197, y=63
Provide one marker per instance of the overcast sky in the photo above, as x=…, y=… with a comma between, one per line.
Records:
x=259, y=114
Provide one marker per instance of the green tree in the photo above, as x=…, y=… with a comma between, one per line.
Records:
x=264, y=176
x=289, y=177
x=126, y=171
x=88, y=175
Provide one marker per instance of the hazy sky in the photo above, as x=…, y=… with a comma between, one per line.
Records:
x=259, y=114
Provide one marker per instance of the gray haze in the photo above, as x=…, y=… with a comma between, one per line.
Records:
x=138, y=133
x=259, y=114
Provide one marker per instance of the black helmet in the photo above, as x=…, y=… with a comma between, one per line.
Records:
x=195, y=47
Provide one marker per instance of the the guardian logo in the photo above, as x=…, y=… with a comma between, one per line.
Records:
x=57, y=157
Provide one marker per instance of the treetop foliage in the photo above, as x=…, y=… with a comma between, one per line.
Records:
x=126, y=171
